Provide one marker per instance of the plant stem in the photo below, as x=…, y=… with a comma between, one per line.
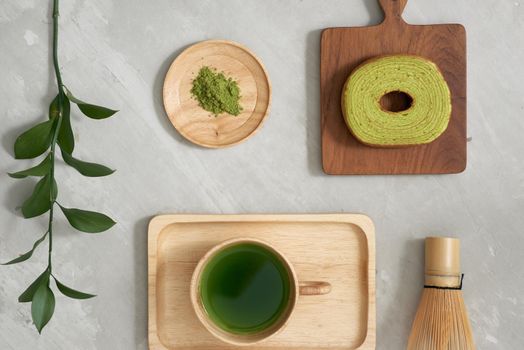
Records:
x=56, y=14
x=57, y=128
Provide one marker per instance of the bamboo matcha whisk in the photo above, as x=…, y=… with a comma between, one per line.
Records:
x=441, y=322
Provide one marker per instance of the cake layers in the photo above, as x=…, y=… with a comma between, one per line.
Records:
x=423, y=122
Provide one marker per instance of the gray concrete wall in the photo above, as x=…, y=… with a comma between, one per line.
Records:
x=116, y=53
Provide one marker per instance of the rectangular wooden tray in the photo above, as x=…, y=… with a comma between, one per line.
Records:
x=337, y=248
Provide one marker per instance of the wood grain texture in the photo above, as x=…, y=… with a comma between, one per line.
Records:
x=200, y=126
x=343, y=49
x=338, y=248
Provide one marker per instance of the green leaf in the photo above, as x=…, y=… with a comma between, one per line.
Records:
x=90, y=110
x=69, y=292
x=85, y=168
x=40, y=170
x=43, y=306
x=41, y=199
x=27, y=255
x=27, y=295
x=66, y=139
x=88, y=221
x=35, y=141
x=96, y=112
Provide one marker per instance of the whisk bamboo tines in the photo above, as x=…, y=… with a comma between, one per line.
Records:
x=441, y=322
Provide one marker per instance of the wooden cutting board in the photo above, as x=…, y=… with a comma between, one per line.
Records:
x=337, y=248
x=343, y=49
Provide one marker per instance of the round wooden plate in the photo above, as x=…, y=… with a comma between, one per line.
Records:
x=200, y=126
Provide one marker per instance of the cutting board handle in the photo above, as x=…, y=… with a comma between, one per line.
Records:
x=393, y=9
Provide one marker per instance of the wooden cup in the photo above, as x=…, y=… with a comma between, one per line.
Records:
x=296, y=289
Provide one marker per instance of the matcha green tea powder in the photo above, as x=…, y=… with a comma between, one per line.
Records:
x=216, y=93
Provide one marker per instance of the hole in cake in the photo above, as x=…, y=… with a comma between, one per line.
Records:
x=396, y=101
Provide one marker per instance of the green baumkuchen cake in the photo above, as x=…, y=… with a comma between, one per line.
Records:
x=423, y=122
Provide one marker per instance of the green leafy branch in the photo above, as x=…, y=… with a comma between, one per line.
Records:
x=35, y=142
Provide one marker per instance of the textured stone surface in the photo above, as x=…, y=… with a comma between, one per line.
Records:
x=117, y=52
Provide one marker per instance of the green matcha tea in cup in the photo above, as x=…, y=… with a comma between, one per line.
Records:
x=244, y=291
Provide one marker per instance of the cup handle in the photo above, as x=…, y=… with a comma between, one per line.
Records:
x=314, y=288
